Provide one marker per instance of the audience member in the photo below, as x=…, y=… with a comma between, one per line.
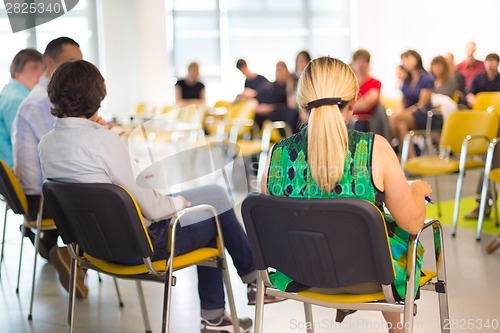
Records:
x=459, y=78
x=301, y=61
x=81, y=149
x=190, y=90
x=25, y=71
x=470, y=66
x=369, y=90
x=253, y=82
x=444, y=81
x=417, y=90
x=34, y=120
x=317, y=162
x=489, y=80
x=272, y=100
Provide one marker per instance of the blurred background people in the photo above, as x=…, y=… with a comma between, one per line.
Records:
x=253, y=82
x=190, y=90
x=470, y=66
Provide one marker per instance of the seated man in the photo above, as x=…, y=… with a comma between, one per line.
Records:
x=25, y=71
x=81, y=149
x=489, y=80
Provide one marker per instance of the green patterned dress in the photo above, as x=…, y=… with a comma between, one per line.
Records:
x=289, y=175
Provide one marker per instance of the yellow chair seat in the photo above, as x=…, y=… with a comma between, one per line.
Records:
x=435, y=166
x=160, y=266
x=362, y=298
x=46, y=224
x=249, y=147
x=494, y=175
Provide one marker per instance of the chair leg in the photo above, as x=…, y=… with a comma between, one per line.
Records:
x=37, y=246
x=494, y=199
x=23, y=229
x=444, y=314
x=456, y=207
x=259, y=311
x=309, y=317
x=167, y=291
x=438, y=196
x=144, y=310
x=482, y=207
x=120, y=301
x=72, y=294
x=3, y=237
x=230, y=296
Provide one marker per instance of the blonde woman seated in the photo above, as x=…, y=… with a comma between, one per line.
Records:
x=317, y=162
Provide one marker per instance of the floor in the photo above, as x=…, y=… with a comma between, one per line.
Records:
x=473, y=285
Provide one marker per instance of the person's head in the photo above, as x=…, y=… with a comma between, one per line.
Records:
x=440, y=68
x=303, y=58
x=76, y=89
x=491, y=63
x=241, y=64
x=27, y=67
x=282, y=73
x=361, y=61
x=412, y=61
x=328, y=89
x=450, y=59
x=470, y=49
x=401, y=72
x=59, y=51
x=194, y=71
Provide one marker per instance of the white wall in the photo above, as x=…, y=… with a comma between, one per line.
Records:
x=134, y=57
x=432, y=27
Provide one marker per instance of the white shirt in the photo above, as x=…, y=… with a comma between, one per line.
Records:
x=33, y=120
x=80, y=150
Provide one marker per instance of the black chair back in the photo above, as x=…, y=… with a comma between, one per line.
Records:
x=325, y=243
x=11, y=190
x=103, y=219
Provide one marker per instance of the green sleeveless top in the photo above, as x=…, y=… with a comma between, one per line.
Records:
x=289, y=175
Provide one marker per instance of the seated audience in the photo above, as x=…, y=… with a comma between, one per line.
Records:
x=444, y=81
x=317, y=162
x=470, y=66
x=25, y=71
x=417, y=89
x=369, y=90
x=273, y=103
x=81, y=149
x=459, y=78
x=190, y=90
x=253, y=82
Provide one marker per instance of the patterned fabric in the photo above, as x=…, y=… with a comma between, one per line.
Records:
x=290, y=176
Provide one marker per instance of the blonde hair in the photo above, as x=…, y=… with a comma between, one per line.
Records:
x=326, y=77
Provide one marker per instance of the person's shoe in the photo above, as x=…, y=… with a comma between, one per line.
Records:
x=474, y=214
x=341, y=314
x=42, y=249
x=224, y=324
x=61, y=259
x=252, y=296
x=493, y=245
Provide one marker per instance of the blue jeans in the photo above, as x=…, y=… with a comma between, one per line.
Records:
x=203, y=234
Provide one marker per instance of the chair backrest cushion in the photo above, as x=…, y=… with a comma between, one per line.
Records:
x=102, y=219
x=487, y=99
x=12, y=191
x=327, y=243
x=460, y=124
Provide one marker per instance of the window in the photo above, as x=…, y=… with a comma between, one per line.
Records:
x=216, y=33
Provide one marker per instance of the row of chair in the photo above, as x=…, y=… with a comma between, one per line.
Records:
x=467, y=141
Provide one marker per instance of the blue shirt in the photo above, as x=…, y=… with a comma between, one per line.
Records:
x=33, y=121
x=412, y=94
x=10, y=98
x=481, y=83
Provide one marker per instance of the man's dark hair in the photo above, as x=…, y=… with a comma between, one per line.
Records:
x=54, y=48
x=492, y=56
x=241, y=63
x=76, y=89
x=22, y=58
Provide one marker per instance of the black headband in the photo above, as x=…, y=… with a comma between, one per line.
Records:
x=326, y=101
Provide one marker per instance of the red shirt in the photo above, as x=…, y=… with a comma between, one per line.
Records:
x=368, y=84
x=469, y=71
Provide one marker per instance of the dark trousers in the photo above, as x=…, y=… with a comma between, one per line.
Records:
x=49, y=239
x=203, y=234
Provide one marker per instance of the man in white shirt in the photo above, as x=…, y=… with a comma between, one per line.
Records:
x=34, y=120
